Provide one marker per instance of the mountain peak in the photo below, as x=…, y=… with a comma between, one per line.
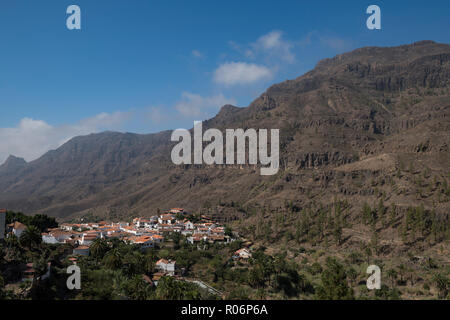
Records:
x=13, y=162
x=227, y=109
x=14, y=159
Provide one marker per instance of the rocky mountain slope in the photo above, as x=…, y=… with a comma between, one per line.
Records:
x=370, y=124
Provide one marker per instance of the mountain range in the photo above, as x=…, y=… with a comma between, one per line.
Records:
x=366, y=124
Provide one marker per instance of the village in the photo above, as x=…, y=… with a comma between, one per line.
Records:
x=144, y=232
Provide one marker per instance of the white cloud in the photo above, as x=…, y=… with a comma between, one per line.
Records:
x=271, y=40
x=32, y=138
x=233, y=73
x=270, y=47
x=194, y=105
x=275, y=46
x=197, y=54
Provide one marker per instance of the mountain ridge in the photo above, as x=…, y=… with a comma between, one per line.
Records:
x=358, y=105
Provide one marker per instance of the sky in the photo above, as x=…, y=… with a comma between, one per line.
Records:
x=144, y=66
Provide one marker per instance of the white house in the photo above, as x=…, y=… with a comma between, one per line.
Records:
x=18, y=228
x=67, y=226
x=56, y=236
x=166, y=219
x=142, y=222
x=197, y=238
x=143, y=242
x=131, y=230
x=189, y=225
x=88, y=238
x=242, y=254
x=167, y=266
x=48, y=238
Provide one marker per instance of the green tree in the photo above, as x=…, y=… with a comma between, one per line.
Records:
x=113, y=259
x=442, y=283
x=137, y=289
x=170, y=289
x=43, y=222
x=366, y=213
x=334, y=282
x=99, y=248
x=30, y=237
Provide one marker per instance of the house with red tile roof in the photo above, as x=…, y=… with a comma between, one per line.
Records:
x=243, y=253
x=166, y=219
x=177, y=210
x=81, y=250
x=56, y=236
x=166, y=266
x=143, y=242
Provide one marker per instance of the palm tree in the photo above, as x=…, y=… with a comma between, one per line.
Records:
x=113, y=259
x=14, y=251
x=149, y=262
x=30, y=237
x=12, y=241
x=98, y=248
x=169, y=289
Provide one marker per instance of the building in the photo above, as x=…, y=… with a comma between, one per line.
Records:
x=166, y=219
x=177, y=210
x=18, y=228
x=144, y=242
x=242, y=254
x=196, y=238
x=81, y=250
x=189, y=225
x=2, y=223
x=157, y=238
x=166, y=266
x=89, y=237
x=56, y=236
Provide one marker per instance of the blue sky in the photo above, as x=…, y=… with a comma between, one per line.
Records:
x=145, y=66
